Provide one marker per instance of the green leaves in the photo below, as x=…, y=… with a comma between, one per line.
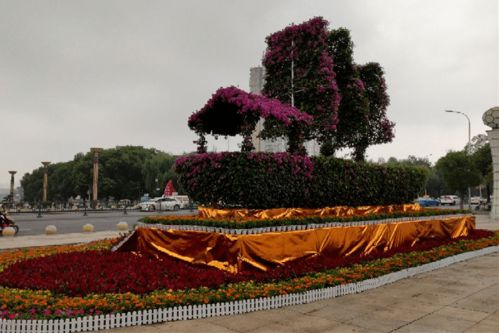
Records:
x=125, y=172
x=459, y=171
x=266, y=180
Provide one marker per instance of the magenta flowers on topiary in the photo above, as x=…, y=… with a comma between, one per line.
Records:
x=299, y=67
x=232, y=111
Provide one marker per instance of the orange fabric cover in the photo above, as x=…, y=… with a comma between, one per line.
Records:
x=263, y=251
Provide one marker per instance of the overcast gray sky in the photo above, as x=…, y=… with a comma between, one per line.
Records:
x=77, y=74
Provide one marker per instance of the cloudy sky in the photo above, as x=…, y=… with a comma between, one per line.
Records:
x=78, y=74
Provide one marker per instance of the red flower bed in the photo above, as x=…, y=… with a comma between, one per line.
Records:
x=83, y=273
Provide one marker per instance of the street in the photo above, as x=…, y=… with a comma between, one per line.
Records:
x=71, y=222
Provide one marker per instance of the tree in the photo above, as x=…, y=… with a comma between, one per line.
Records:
x=313, y=69
x=432, y=178
x=435, y=184
x=124, y=173
x=353, y=113
x=32, y=184
x=477, y=142
x=459, y=172
x=299, y=71
x=482, y=157
x=380, y=128
x=411, y=160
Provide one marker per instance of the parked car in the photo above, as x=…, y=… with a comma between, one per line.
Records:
x=162, y=203
x=184, y=201
x=428, y=202
x=476, y=200
x=451, y=200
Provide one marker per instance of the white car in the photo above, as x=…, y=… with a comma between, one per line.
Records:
x=477, y=200
x=163, y=203
x=450, y=200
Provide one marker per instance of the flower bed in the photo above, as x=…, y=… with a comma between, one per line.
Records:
x=234, y=223
x=29, y=304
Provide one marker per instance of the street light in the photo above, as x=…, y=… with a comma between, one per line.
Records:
x=469, y=127
x=468, y=147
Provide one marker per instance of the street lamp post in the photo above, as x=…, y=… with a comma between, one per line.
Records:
x=468, y=147
x=426, y=185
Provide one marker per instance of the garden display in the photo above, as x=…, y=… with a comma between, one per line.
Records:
x=273, y=229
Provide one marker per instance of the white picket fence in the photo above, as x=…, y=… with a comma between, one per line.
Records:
x=253, y=231
x=94, y=323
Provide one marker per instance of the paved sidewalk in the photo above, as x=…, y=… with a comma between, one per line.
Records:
x=57, y=239
x=483, y=221
x=461, y=298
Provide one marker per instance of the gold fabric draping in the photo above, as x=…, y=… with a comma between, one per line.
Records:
x=281, y=213
x=263, y=251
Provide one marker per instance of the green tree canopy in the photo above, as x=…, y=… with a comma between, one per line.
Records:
x=313, y=68
x=459, y=172
x=482, y=157
x=125, y=172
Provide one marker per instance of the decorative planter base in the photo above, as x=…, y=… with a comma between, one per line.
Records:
x=237, y=252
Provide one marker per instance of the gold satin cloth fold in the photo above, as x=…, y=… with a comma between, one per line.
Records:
x=282, y=213
x=262, y=251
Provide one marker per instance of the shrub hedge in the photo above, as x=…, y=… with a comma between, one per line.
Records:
x=272, y=180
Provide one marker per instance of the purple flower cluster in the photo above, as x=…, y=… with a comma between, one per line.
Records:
x=253, y=180
x=312, y=32
x=36, y=313
x=306, y=44
x=301, y=165
x=196, y=163
x=235, y=100
x=360, y=84
x=387, y=129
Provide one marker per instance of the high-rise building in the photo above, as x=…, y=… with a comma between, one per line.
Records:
x=256, y=82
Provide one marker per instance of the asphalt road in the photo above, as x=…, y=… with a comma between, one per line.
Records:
x=70, y=222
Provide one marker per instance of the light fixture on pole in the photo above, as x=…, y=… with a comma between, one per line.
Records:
x=468, y=147
x=469, y=126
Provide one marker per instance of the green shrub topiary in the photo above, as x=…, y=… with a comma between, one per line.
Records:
x=272, y=180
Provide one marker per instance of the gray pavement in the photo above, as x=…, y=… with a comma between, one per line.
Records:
x=72, y=222
x=463, y=297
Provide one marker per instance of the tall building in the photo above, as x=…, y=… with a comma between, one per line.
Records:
x=256, y=82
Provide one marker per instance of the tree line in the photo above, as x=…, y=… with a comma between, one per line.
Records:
x=128, y=172
x=457, y=170
x=125, y=172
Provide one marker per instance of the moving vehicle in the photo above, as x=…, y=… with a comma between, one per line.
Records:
x=451, y=200
x=6, y=221
x=161, y=203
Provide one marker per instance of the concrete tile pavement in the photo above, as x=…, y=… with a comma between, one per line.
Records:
x=57, y=239
x=463, y=297
x=452, y=299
